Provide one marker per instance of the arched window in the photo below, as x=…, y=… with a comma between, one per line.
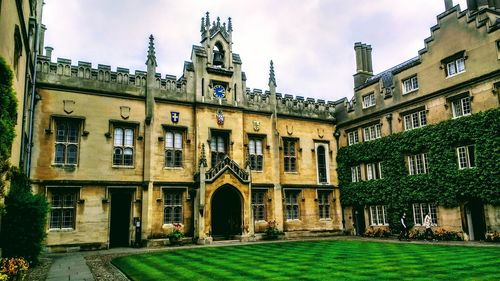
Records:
x=321, y=162
x=67, y=138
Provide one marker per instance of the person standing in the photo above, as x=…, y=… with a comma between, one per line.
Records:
x=404, y=228
x=429, y=235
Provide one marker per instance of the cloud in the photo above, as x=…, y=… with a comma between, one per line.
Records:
x=311, y=42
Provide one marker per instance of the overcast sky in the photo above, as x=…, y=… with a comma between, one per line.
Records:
x=311, y=42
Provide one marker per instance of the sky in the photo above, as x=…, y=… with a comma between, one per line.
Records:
x=310, y=42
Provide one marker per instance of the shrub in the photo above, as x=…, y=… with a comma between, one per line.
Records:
x=23, y=225
x=378, y=232
x=440, y=234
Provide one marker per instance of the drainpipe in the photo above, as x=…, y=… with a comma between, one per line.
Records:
x=33, y=97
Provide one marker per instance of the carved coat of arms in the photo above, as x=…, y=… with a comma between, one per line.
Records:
x=69, y=106
x=125, y=112
x=256, y=125
x=175, y=116
x=220, y=117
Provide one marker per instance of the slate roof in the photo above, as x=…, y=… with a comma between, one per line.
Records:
x=387, y=74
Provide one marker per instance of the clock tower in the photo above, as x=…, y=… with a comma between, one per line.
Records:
x=215, y=68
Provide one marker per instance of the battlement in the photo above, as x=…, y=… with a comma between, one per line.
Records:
x=103, y=73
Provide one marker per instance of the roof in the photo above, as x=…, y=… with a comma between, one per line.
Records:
x=387, y=74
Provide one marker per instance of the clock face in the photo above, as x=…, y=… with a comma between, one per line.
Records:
x=219, y=91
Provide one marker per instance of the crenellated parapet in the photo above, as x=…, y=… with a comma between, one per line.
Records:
x=84, y=72
x=305, y=107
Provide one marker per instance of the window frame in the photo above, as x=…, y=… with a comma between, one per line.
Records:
x=324, y=204
x=356, y=170
x=260, y=205
x=175, y=151
x=419, y=220
x=62, y=191
x=369, y=100
x=215, y=155
x=256, y=160
x=465, y=155
x=373, y=171
x=465, y=105
x=412, y=82
x=419, y=116
x=176, y=203
x=375, y=219
x=326, y=178
x=352, y=137
x=123, y=146
x=457, y=65
x=66, y=142
x=374, y=132
x=418, y=164
x=290, y=147
x=292, y=206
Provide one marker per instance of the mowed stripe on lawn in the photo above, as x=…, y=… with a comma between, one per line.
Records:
x=317, y=260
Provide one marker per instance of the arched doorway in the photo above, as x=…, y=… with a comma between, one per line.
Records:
x=226, y=213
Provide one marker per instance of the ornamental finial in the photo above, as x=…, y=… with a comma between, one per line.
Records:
x=272, y=78
x=151, y=52
x=229, y=25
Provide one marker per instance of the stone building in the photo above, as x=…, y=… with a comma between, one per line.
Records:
x=127, y=156
x=115, y=149
x=457, y=74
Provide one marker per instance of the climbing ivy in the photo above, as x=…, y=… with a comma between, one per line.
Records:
x=445, y=184
x=8, y=114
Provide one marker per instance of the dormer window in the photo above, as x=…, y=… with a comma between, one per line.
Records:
x=369, y=100
x=218, y=55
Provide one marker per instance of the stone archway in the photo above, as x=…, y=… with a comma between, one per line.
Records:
x=227, y=213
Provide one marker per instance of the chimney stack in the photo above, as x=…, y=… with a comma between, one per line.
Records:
x=364, y=67
x=448, y=4
x=48, y=52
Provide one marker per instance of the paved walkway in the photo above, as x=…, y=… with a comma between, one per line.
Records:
x=69, y=266
x=72, y=266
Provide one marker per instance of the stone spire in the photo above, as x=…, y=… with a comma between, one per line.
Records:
x=151, y=52
x=218, y=22
x=229, y=25
x=207, y=20
x=272, y=79
x=202, y=28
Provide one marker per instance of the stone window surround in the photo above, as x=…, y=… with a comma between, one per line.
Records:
x=76, y=191
x=326, y=148
x=412, y=81
x=299, y=197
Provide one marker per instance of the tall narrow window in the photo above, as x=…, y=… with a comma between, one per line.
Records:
x=374, y=171
x=123, y=152
x=62, y=210
x=356, y=174
x=218, y=147
x=321, y=162
x=67, y=140
x=172, y=209
x=258, y=205
x=290, y=155
x=173, y=148
x=255, y=153
x=324, y=204
x=418, y=164
x=292, y=205
x=378, y=215
x=421, y=209
x=466, y=157
x=352, y=137
x=461, y=107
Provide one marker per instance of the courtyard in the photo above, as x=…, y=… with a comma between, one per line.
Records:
x=317, y=260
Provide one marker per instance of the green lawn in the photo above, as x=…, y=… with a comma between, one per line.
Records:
x=317, y=260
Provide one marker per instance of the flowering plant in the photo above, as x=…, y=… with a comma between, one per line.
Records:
x=272, y=230
x=176, y=233
x=13, y=267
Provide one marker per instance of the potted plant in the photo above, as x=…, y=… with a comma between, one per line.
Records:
x=176, y=235
x=272, y=232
